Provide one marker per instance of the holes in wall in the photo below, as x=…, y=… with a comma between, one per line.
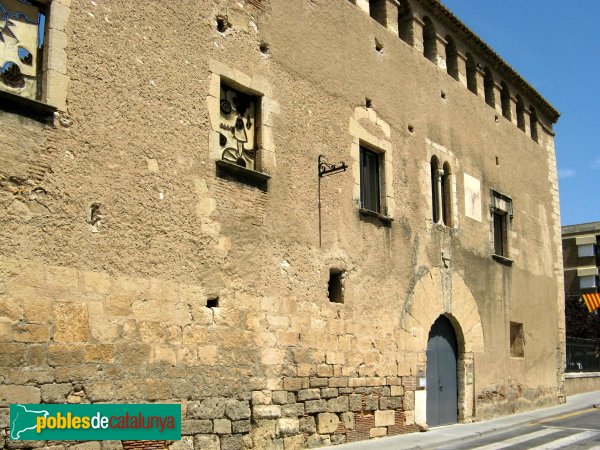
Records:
x=222, y=23
x=378, y=46
x=411, y=128
x=264, y=48
x=496, y=118
x=517, y=340
x=212, y=302
x=335, y=286
x=368, y=102
x=25, y=56
x=497, y=161
x=443, y=95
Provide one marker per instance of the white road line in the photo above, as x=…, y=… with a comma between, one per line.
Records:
x=519, y=439
x=571, y=428
x=566, y=441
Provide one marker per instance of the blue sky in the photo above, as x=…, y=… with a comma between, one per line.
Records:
x=555, y=46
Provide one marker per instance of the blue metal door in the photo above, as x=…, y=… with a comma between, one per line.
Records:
x=442, y=352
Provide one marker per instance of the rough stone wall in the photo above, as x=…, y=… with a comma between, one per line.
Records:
x=116, y=230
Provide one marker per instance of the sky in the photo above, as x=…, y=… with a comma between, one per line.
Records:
x=555, y=46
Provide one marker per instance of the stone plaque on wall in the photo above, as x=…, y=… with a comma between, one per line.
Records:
x=472, y=197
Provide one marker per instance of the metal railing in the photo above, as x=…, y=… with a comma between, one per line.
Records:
x=583, y=355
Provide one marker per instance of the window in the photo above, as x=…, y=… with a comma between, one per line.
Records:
x=429, y=40
x=239, y=114
x=441, y=192
x=405, y=22
x=520, y=113
x=435, y=200
x=501, y=219
x=451, y=58
x=370, y=184
x=505, y=101
x=446, y=186
x=517, y=340
x=21, y=46
x=471, y=74
x=585, y=250
x=488, y=86
x=335, y=287
x=377, y=10
x=588, y=282
x=533, y=124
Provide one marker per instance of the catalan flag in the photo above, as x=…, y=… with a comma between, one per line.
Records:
x=592, y=301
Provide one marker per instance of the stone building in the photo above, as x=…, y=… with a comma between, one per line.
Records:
x=581, y=259
x=166, y=236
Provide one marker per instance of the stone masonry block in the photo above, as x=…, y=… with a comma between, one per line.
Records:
x=370, y=402
x=339, y=404
x=280, y=397
x=237, y=410
x=327, y=423
x=338, y=382
x=384, y=418
x=319, y=382
x=348, y=420
x=204, y=442
x=307, y=425
x=222, y=426
x=292, y=384
x=195, y=426
x=56, y=393
x=309, y=394
x=234, y=442
x=315, y=406
x=377, y=432
x=329, y=392
x=355, y=402
x=292, y=410
x=261, y=397
x=241, y=426
x=287, y=426
x=71, y=322
x=397, y=390
x=212, y=408
x=266, y=412
x=19, y=394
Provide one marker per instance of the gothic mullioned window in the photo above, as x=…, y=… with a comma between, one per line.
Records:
x=21, y=41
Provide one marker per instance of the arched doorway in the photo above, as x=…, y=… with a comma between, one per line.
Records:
x=442, y=387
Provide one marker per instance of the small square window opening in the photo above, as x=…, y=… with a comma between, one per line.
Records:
x=586, y=250
x=212, y=302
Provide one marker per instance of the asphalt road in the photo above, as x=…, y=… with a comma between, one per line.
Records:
x=573, y=430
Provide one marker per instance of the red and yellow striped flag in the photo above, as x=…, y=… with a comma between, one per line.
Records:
x=592, y=301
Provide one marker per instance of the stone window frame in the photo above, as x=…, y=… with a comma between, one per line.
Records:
x=446, y=161
x=381, y=144
x=52, y=94
x=267, y=107
x=501, y=206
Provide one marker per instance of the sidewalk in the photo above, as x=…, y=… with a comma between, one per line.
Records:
x=460, y=432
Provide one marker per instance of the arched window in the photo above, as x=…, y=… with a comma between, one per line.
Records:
x=520, y=113
x=471, y=74
x=505, y=101
x=451, y=58
x=405, y=23
x=429, y=40
x=377, y=11
x=446, y=182
x=533, y=124
x=488, y=86
x=435, y=202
